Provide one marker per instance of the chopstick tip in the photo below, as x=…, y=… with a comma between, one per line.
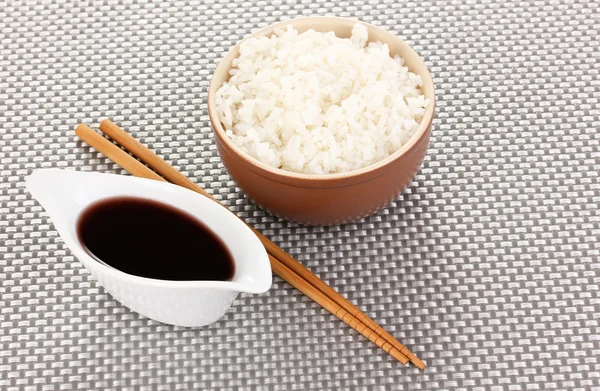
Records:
x=81, y=128
x=105, y=122
x=420, y=364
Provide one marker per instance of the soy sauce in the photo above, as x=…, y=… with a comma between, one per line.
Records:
x=154, y=240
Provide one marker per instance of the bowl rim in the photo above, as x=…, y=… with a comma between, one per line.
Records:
x=259, y=166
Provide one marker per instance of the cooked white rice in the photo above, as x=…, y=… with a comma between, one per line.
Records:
x=315, y=103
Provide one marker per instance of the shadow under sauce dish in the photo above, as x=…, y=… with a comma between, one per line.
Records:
x=151, y=239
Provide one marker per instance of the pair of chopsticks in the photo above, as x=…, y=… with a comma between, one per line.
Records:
x=283, y=264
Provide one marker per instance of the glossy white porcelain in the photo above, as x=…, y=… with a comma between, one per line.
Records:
x=65, y=194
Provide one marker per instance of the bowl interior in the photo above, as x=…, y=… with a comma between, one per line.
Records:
x=342, y=28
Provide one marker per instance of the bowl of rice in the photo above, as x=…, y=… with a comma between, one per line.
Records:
x=322, y=120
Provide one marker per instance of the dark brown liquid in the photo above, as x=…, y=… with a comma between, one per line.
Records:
x=154, y=240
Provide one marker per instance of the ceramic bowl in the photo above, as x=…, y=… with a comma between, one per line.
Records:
x=65, y=194
x=332, y=198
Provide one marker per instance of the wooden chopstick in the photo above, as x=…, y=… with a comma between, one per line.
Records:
x=126, y=161
x=172, y=175
x=318, y=291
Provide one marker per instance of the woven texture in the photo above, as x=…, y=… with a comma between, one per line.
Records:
x=487, y=267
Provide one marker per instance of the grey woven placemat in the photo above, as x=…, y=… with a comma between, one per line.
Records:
x=487, y=266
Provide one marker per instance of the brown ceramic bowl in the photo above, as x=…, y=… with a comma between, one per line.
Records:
x=332, y=198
